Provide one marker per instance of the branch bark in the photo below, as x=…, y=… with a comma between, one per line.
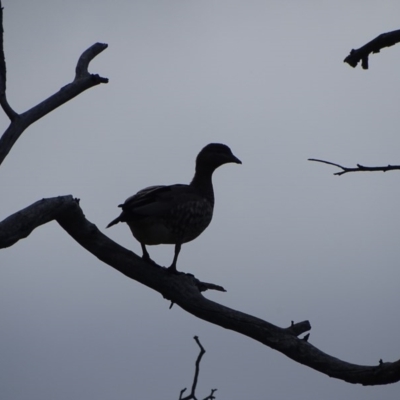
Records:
x=374, y=46
x=359, y=168
x=186, y=291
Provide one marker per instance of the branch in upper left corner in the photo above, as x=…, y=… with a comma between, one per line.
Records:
x=3, y=74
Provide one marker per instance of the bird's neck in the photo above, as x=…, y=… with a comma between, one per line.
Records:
x=202, y=182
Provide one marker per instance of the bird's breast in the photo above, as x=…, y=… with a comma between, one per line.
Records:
x=183, y=223
x=189, y=220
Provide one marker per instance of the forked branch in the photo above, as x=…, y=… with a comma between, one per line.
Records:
x=19, y=122
x=374, y=46
x=192, y=394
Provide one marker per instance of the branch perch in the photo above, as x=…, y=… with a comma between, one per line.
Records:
x=359, y=168
x=185, y=291
x=374, y=46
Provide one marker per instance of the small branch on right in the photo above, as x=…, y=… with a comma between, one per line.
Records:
x=359, y=168
x=374, y=46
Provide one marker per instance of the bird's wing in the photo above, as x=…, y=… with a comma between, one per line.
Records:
x=157, y=200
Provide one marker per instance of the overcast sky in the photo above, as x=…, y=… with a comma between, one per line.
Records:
x=289, y=241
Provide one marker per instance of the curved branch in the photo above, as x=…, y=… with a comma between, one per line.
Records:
x=374, y=46
x=19, y=122
x=183, y=290
x=359, y=168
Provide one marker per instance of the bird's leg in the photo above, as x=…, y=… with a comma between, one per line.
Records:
x=146, y=255
x=172, y=268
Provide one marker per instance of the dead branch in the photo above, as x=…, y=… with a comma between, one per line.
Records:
x=19, y=122
x=359, y=168
x=185, y=291
x=3, y=74
x=192, y=395
x=374, y=46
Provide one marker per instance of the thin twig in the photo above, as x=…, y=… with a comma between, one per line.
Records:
x=359, y=168
x=3, y=74
x=211, y=395
x=192, y=395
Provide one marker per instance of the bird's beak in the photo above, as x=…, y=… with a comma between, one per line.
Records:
x=235, y=160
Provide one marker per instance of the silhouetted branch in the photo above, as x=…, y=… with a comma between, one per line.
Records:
x=184, y=291
x=192, y=395
x=211, y=395
x=66, y=210
x=359, y=168
x=3, y=74
x=374, y=46
x=19, y=122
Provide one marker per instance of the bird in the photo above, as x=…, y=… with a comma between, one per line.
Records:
x=179, y=213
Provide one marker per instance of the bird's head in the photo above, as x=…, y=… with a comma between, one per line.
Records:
x=214, y=155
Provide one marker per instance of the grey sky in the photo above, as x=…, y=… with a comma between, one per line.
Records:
x=289, y=241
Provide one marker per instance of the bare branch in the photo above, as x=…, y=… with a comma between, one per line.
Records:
x=83, y=81
x=359, y=168
x=81, y=70
x=21, y=224
x=211, y=395
x=374, y=46
x=183, y=290
x=192, y=395
x=197, y=369
x=3, y=74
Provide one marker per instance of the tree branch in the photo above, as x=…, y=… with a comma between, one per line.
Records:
x=185, y=291
x=192, y=395
x=3, y=74
x=359, y=168
x=19, y=122
x=374, y=46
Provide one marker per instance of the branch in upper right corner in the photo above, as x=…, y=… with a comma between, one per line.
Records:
x=374, y=46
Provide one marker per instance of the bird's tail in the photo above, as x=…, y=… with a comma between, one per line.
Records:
x=113, y=222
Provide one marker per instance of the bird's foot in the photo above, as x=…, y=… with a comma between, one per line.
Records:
x=172, y=269
x=149, y=260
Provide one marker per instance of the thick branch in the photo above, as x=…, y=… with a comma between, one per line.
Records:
x=83, y=81
x=183, y=290
x=374, y=46
x=359, y=168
